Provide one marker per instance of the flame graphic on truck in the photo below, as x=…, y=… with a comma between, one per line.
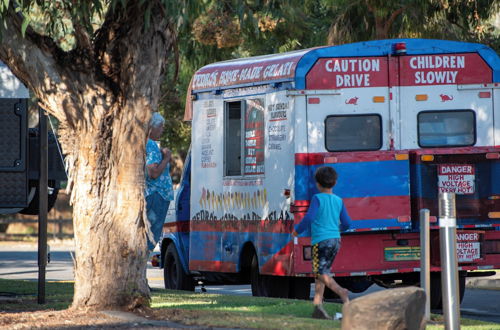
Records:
x=227, y=200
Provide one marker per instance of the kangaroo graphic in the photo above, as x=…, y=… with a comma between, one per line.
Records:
x=353, y=101
x=445, y=97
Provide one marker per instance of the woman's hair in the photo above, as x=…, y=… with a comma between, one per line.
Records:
x=156, y=120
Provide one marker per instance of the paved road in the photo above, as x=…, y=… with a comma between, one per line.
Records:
x=19, y=261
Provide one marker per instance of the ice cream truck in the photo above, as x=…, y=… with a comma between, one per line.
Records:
x=399, y=120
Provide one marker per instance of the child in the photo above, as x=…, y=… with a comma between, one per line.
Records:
x=324, y=216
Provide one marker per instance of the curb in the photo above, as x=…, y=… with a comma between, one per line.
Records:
x=10, y=300
x=483, y=283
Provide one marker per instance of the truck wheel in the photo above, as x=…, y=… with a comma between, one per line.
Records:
x=437, y=292
x=300, y=288
x=32, y=208
x=329, y=294
x=355, y=284
x=266, y=285
x=462, y=277
x=275, y=286
x=173, y=274
x=256, y=280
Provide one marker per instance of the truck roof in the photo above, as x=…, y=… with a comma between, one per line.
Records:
x=294, y=66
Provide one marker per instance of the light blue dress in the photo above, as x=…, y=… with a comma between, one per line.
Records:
x=159, y=192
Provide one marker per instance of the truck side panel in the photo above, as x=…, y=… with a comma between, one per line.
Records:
x=240, y=191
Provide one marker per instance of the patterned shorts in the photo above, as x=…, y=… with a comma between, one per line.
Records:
x=323, y=255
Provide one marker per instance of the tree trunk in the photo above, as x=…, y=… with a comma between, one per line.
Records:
x=110, y=240
x=103, y=93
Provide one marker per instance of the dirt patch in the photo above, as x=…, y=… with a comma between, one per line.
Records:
x=69, y=319
x=187, y=317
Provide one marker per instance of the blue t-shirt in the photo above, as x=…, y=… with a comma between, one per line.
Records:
x=163, y=183
x=325, y=216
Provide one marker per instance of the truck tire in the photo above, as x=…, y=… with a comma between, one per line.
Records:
x=256, y=279
x=267, y=285
x=33, y=207
x=300, y=288
x=329, y=294
x=356, y=284
x=437, y=292
x=353, y=284
x=276, y=286
x=462, y=277
x=174, y=276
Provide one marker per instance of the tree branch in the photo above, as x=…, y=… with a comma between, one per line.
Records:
x=83, y=40
x=392, y=18
x=31, y=59
x=131, y=55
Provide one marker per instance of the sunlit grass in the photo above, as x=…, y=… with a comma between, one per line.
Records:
x=203, y=309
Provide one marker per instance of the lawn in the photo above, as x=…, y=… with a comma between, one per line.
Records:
x=192, y=308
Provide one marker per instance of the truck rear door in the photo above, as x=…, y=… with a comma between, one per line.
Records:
x=457, y=155
x=354, y=139
x=448, y=120
x=349, y=120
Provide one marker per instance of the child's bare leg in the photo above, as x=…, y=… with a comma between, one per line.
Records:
x=319, y=288
x=334, y=286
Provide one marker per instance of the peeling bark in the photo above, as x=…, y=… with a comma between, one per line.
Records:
x=103, y=93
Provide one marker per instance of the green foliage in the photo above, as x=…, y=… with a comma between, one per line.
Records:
x=465, y=20
x=267, y=26
x=456, y=20
x=214, y=30
x=264, y=27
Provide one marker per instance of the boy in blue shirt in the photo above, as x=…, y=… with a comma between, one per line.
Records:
x=325, y=215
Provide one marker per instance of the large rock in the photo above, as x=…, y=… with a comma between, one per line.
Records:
x=401, y=308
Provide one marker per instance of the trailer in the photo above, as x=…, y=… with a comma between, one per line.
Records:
x=399, y=120
x=20, y=149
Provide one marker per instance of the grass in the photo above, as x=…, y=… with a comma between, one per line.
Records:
x=205, y=309
x=243, y=311
x=58, y=295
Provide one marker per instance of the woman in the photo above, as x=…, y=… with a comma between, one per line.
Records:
x=159, y=190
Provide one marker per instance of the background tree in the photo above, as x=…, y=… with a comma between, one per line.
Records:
x=102, y=87
x=258, y=27
x=441, y=19
x=98, y=67
x=218, y=30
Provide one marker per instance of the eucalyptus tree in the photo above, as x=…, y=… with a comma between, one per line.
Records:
x=102, y=86
x=217, y=30
x=360, y=20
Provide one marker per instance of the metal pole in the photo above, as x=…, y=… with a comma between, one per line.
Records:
x=425, y=260
x=449, y=265
x=42, y=204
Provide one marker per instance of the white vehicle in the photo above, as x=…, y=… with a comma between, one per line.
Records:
x=399, y=120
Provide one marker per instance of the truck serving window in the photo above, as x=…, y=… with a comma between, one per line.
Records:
x=455, y=128
x=244, y=153
x=353, y=132
x=232, y=150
